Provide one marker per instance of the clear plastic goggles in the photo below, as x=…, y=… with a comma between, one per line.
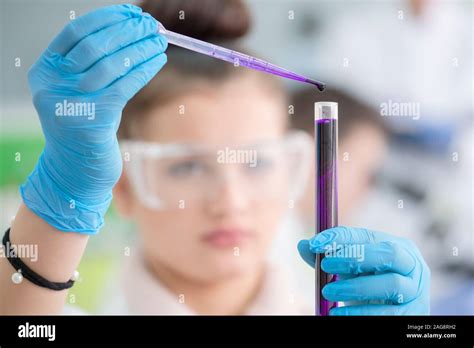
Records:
x=167, y=176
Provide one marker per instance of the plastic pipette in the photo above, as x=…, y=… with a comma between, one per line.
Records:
x=236, y=58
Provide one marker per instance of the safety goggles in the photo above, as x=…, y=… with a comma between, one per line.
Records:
x=167, y=176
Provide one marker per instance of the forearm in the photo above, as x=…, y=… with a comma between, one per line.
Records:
x=71, y=184
x=58, y=255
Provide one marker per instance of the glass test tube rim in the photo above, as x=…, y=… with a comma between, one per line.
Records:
x=325, y=111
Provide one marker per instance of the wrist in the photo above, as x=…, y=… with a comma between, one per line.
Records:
x=60, y=209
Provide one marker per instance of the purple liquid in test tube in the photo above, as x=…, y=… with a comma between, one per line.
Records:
x=326, y=189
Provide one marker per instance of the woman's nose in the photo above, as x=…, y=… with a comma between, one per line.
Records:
x=229, y=195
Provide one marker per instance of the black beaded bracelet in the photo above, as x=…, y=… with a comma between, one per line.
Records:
x=23, y=271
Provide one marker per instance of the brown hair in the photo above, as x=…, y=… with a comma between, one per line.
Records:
x=219, y=21
x=202, y=19
x=352, y=112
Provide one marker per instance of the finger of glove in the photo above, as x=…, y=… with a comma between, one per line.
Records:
x=310, y=257
x=307, y=255
x=93, y=48
x=346, y=235
x=380, y=257
x=127, y=86
x=122, y=62
x=394, y=287
x=372, y=309
x=91, y=22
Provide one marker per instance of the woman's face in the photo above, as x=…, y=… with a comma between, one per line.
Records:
x=228, y=233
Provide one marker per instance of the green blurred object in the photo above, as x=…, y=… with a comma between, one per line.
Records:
x=18, y=156
x=95, y=273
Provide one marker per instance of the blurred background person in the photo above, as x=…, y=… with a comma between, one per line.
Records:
x=364, y=149
x=363, y=142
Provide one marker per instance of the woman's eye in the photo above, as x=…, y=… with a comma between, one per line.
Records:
x=261, y=164
x=184, y=169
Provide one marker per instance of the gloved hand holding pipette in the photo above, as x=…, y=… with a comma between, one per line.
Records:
x=80, y=85
x=90, y=71
x=387, y=275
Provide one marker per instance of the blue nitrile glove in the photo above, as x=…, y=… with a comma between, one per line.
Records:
x=80, y=85
x=380, y=274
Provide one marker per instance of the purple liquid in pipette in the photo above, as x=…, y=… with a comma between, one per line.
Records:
x=326, y=200
x=237, y=58
x=261, y=65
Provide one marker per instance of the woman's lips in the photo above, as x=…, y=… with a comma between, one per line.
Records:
x=226, y=237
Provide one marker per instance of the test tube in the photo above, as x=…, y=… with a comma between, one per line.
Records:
x=326, y=189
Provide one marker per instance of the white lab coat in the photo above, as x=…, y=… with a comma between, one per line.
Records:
x=137, y=291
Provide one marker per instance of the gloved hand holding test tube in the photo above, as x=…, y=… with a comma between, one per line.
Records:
x=390, y=276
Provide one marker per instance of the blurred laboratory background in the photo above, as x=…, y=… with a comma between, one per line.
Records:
x=402, y=73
